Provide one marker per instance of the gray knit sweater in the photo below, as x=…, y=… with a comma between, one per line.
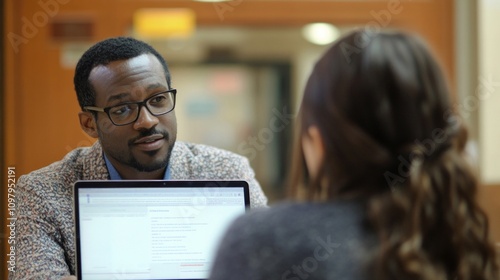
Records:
x=298, y=241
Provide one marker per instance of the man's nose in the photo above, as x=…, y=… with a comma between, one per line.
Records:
x=145, y=120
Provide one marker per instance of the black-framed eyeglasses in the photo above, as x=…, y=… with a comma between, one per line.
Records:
x=127, y=113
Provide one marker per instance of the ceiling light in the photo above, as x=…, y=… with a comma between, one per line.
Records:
x=164, y=23
x=320, y=33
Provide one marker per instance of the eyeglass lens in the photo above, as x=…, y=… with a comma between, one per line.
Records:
x=127, y=113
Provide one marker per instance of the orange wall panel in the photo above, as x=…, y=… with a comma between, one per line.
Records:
x=489, y=199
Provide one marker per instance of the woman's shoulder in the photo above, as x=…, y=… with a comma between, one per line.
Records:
x=306, y=209
x=269, y=243
x=290, y=217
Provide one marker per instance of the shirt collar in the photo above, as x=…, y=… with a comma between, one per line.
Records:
x=114, y=175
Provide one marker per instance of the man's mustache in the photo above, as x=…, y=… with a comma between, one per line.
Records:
x=148, y=133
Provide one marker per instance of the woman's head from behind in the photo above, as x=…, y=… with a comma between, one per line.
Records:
x=375, y=117
x=371, y=99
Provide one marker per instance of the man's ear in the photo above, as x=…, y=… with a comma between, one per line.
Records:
x=88, y=124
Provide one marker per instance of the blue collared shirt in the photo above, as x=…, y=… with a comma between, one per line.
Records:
x=114, y=175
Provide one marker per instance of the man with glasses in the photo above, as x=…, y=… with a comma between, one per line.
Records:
x=124, y=89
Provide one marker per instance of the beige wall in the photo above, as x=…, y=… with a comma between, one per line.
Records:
x=488, y=93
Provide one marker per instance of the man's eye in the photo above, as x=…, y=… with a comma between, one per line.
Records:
x=121, y=110
x=158, y=99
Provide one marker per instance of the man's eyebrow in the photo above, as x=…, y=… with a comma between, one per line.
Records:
x=157, y=85
x=125, y=94
x=117, y=97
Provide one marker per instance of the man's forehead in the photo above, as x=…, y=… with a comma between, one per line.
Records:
x=141, y=63
x=119, y=76
x=142, y=60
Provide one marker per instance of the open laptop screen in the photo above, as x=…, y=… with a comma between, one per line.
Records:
x=153, y=229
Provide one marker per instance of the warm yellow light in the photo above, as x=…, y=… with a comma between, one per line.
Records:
x=320, y=33
x=162, y=23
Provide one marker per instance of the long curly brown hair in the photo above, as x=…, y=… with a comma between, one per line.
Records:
x=383, y=110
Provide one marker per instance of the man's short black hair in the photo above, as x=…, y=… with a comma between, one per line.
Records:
x=104, y=52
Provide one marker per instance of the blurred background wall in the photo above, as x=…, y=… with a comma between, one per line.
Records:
x=488, y=98
x=239, y=67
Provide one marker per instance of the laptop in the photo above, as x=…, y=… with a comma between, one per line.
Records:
x=153, y=229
